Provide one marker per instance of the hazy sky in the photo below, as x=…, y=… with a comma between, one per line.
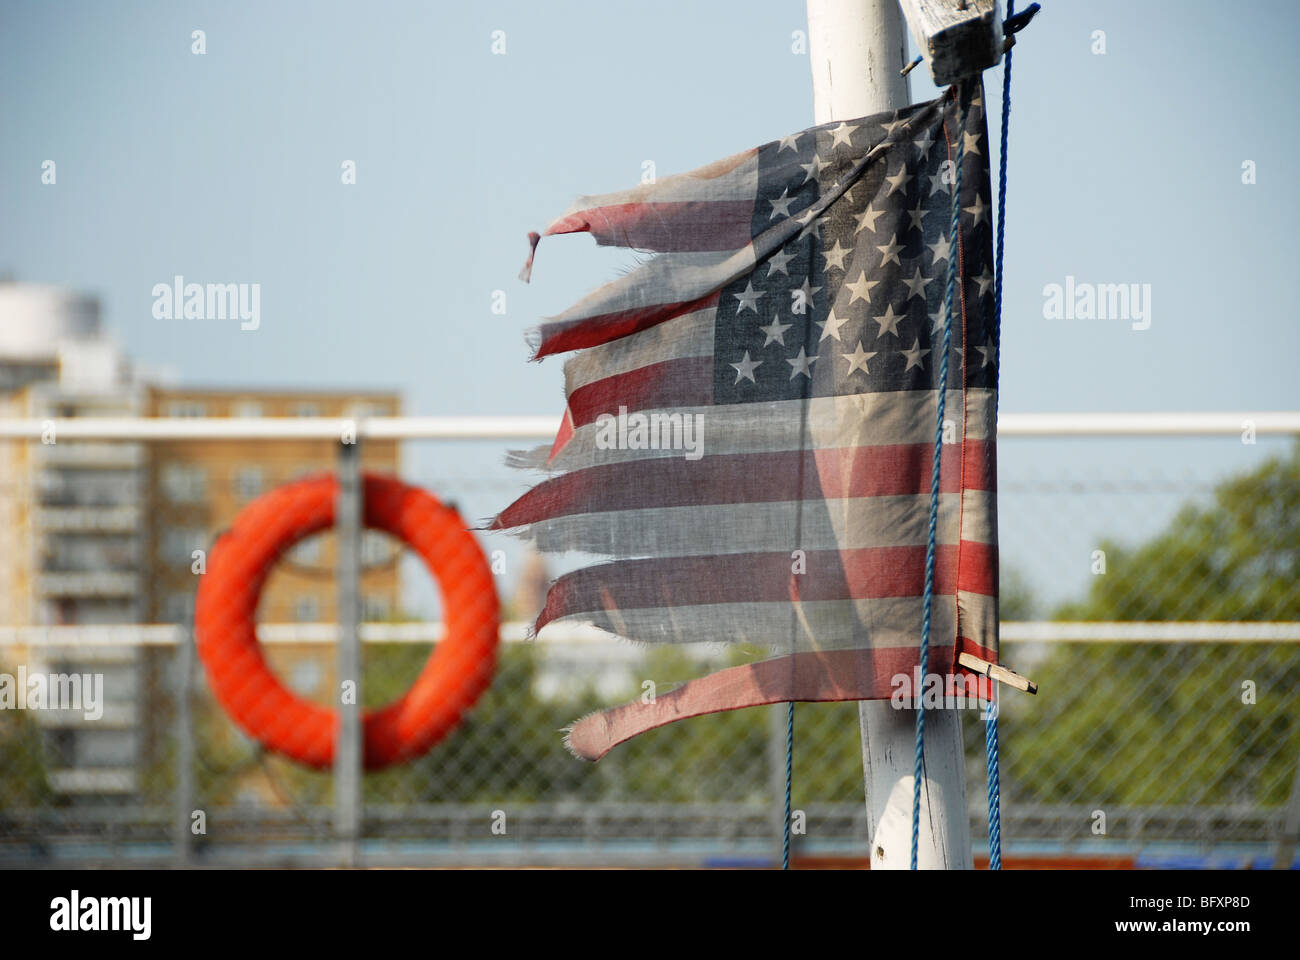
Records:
x=225, y=167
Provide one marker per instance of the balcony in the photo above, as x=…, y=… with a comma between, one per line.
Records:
x=94, y=780
x=90, y=454
x=67, y=495
x=81, y=519
x=89, y=584
x=89, y=555
x=115, y=716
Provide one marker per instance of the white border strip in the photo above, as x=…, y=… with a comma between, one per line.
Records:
x=166, y=635
x=146, y=429
x=1201, y=631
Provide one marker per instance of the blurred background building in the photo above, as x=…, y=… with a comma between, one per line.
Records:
x=196, y=490
x=71, y=543
x=104, y=533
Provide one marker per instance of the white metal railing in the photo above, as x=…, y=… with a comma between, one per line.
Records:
x=516, y=631
x=544, y=428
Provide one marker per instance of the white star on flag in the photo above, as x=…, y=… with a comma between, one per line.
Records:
x=843, y=134
x=778, y=261
x=890, y=252
x=745, y=369
x=867, y=219
x=781, y=205
x=831, y=325
x=888, y=321
x=915, y=356
x=801, y=364
x=861, y=288
x=812, y=169
x=791, y=142
x=807, y=293
x=942, y=247
x=898, y=180
x=858, y=359
x=776, y=332
x=916, y=286
x=835, y=256
x=749, y=298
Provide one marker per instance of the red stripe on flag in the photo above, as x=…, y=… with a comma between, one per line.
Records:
x=563, y=435
x=687, y=381
x=978, y=572
x=810, y=677
x=680, y=226
x=602, y=328
x=870, y=471
x=866, y=573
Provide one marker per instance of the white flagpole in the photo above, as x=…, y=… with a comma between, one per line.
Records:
x=857, y=48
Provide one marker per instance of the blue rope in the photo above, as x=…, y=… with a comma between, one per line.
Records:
x=991, y=711
x=991, y=766
x=789, y=780
x=1002, y=204
x=918, y=699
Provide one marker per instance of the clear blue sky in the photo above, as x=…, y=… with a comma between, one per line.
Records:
x=1126, y=167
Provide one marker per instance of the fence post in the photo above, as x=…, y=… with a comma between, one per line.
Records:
x=1284, y=854
x=182, y=836
x=347, y=750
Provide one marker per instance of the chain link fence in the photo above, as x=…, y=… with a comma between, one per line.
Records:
x=1154, y=596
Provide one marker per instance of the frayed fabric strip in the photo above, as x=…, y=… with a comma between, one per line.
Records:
x=526, y=274
x=810, y=677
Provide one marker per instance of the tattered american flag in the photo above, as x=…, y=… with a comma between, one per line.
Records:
x=751, y=415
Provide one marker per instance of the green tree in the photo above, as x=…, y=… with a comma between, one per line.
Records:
x=23, y=781
x=1182, y=723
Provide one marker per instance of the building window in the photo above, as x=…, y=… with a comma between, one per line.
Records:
x=186, y=408
x=306, y=609
x=179, y=544
x=178, y=607
x=307, y=552
x=248, y=408
x=374, y=608
x=184, y=483
x=305, y=677
x=248, y=482
x=306, y=410
x=376, y=549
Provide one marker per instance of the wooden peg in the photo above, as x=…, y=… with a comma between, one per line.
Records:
x=997, y=672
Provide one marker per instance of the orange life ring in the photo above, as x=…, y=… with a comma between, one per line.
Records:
x=458, y=670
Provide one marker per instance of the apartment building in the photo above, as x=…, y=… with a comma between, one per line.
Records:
x=194, y=490
x=104, y=533
x=71, y=543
